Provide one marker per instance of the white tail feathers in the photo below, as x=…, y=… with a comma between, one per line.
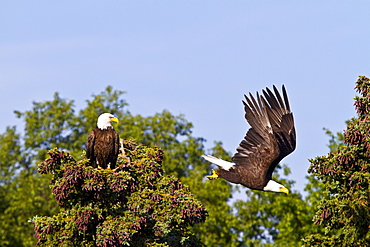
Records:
x=219, y=162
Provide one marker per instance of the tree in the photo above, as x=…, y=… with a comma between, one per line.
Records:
x=345, y=209
x=22, y=193
x=132, y=205
x=26, y=193
x=9, y=154
x=219, y=228
x=47, y=125
x=274, y=219
x=172, y=133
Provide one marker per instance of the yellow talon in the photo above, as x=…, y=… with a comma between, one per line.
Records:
x=213, y=176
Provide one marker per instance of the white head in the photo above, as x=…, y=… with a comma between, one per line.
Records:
x=273, y=186
x=105, y=120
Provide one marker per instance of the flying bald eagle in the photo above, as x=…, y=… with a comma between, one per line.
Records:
x=271, y=137
x=103, y=143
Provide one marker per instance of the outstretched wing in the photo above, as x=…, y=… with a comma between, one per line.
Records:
x=259, y=148
x=282, y=123
x=267, y=141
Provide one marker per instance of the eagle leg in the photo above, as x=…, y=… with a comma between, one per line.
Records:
x=214, y=175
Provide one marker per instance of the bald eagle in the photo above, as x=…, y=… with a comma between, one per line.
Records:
x=271, y=137
x=103, y=143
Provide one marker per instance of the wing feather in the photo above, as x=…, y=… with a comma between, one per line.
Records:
x=116, y=149
x=90, y=154
x=272, y=134
x=285, y=95
x=257, y=150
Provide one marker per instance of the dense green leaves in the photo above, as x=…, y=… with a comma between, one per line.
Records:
x=23, y=193
x=344, y=212
x=274, y=219
x=10, y=152
x=257, y=219
x=173, y=133
x=132, y=205
x=27, y=195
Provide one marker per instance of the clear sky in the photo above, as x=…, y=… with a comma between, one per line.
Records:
x=195, y=58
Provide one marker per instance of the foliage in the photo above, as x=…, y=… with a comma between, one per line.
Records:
x=22, y=193
x=26, y=196
x=172, y=133
x=9, y=154
x=48, y=124
x=255, y=220
x=218, y=230
x=133, y=205
x=345, y=210
x=274, y=219
x=336, y=141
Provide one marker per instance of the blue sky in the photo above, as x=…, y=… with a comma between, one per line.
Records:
x=195, y=58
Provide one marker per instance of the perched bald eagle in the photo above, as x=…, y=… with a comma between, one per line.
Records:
x=103, y=143
x=271, y=137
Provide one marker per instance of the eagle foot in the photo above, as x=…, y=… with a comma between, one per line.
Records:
x=214, y=175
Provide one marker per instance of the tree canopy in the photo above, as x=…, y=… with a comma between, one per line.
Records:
x=344, y=211
x=258, y=219
x=132, y=205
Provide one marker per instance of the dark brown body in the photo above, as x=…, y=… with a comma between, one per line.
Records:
x=102, y=147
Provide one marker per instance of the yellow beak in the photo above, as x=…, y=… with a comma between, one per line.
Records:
x=284, y=190
x=114, y=120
